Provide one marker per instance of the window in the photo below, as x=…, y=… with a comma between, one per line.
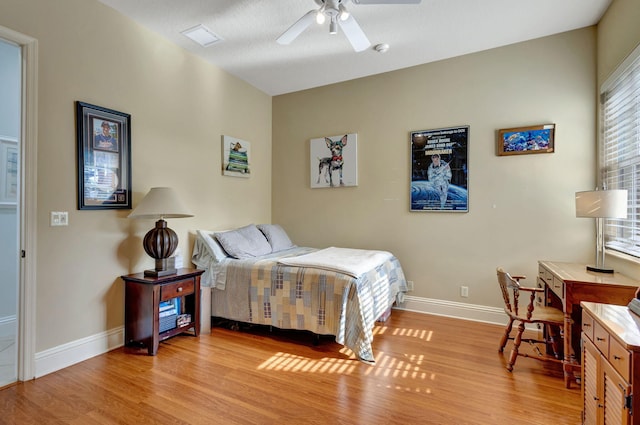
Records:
x=620, y=151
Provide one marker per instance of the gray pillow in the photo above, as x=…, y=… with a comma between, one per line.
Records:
x=216, y=250
x=245, y=242
x=277, y=237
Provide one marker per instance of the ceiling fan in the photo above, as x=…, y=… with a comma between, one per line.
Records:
x=337, y=14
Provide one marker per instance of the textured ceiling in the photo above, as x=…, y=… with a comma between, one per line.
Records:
x=417, y=34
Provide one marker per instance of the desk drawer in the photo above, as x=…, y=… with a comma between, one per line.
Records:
x=176, y=289
x=601, y=339
x=620, y=358
x=558, y=287
x=545, y=275
x=587, y=325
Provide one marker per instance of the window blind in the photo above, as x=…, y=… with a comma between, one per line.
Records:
x=620, y=151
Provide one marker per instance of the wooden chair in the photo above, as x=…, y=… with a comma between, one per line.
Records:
x=551, y=317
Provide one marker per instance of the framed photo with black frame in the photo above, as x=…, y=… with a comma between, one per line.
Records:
x=439, y=170
x=104, y=158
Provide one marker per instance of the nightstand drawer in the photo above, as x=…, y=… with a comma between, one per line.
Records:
x=620, y=358
x=176, y=289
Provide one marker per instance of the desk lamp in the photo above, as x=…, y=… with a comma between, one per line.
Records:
x=601, y=204
x=160, y=242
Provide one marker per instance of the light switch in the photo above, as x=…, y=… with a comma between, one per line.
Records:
x=59, y=218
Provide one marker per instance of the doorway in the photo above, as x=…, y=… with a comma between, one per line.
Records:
x=10, y=124
x=19, y=315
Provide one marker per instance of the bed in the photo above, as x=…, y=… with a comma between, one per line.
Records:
x=256, y=275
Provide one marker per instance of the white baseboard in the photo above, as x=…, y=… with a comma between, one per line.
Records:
x=8, y=326
x=65, y=355
x=476, y=313
x=74, y=352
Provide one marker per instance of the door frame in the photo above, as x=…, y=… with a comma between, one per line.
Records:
x=27, y=208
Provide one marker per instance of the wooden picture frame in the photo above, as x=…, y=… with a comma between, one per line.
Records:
x=104, y=158
x=526, y=140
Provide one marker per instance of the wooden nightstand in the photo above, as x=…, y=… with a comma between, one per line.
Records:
x=142, y=306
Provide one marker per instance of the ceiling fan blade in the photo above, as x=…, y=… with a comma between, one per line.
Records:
x=296, y=29
x=354, y=34
x=386, y=1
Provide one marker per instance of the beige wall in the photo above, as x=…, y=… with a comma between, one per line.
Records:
x=521, y=208
x=618, y=36
x=180, y=107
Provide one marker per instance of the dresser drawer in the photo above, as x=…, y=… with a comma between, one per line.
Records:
x=176, y=289
x=587, y=325
x=620, y=358
x=601, y=338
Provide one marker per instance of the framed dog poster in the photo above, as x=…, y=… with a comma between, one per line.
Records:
x=334, y=161
x=235, y=157
x=439, y=170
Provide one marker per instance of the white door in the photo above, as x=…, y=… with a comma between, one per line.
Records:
x=10, y=127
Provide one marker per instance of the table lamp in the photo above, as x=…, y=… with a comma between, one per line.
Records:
x=160, y=242
x=601, y=204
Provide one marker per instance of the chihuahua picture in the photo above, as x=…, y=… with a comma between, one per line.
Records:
x=335, y=162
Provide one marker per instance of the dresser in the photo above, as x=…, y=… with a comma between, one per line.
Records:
x=611, y=364
x=566, y=286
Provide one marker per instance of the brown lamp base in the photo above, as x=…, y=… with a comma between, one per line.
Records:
x=160, y=273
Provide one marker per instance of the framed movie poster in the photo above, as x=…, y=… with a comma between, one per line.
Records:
x=104, y=158
x=439, y=170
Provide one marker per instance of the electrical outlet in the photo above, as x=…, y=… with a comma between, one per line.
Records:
x=59, y=218
x=464, y=291
x=409, y=285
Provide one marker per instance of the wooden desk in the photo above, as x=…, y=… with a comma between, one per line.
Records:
x=566, y=286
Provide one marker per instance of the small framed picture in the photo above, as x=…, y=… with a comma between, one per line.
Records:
x=526, y=140
x=104, y=158
x=236, y=154
x=334, y=161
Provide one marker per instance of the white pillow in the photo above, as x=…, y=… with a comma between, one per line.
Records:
x=245, y=242
x=214, y=246
x=277, y=237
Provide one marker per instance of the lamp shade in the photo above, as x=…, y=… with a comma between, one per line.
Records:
x=161, y=202
x=161, y=241
x=602, y=204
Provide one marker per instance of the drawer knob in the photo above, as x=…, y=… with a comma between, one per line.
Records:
x=180, y=289
x=616, y=357
x=586, y=325
x=600, y=339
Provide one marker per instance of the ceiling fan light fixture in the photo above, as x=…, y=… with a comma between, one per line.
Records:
x=320, y=18
x=333, y=26
x=344, y=13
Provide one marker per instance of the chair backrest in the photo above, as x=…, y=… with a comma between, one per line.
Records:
x=509, y=288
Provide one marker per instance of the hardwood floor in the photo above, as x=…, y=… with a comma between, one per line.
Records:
x=430, y=370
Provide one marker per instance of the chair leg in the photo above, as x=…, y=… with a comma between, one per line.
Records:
x=516, y=346
x=505, y=337
x=553, y=341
